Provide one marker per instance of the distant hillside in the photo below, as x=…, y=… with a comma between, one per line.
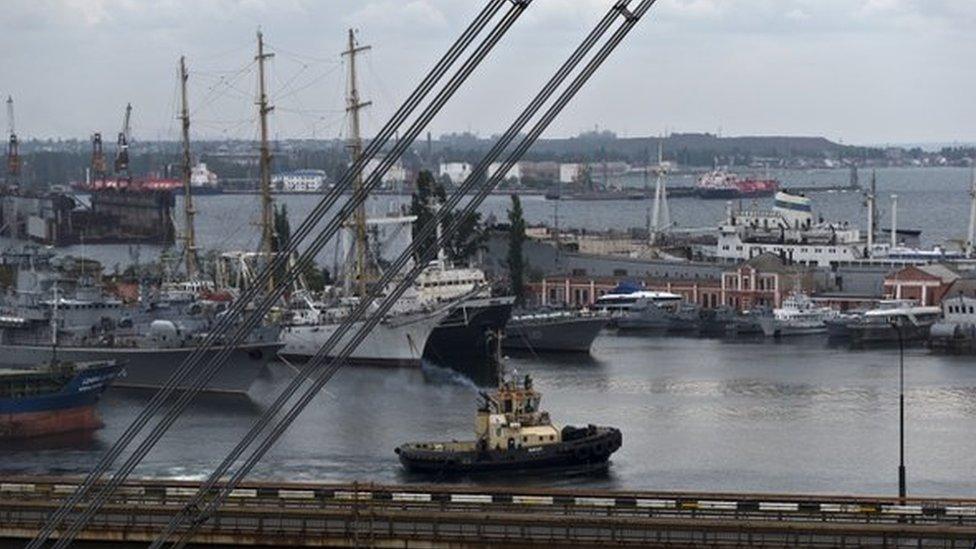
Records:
x=696, y=149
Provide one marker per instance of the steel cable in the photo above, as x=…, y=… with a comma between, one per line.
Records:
x=325, y=204
x=325, y=375
x=335, y=224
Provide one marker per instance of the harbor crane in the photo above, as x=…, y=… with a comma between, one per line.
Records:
x=122, y=154
x=98, y=168
x=13, y=149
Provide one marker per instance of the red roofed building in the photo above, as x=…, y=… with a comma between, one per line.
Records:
x=926, y=284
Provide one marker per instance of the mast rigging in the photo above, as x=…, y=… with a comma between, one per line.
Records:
x=353, y=106
x=189, y=236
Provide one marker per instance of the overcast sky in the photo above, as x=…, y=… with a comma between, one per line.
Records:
x=860, y=71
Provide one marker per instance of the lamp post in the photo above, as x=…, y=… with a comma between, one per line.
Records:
x=901, y=409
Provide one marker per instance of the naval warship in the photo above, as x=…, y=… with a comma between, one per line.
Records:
x=53, y=311
x=513, y=434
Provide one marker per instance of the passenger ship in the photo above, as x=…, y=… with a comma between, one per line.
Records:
x=789, y=230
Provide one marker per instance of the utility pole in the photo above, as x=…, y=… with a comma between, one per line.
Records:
x=13, y=146
x=267, y=213
x=353, y=105
x=189, y=236
x=972, y=213
x=902, y=477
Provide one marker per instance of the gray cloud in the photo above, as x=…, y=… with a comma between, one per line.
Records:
x=859, y=70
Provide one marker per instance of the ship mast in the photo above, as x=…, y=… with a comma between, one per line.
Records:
x=661, y=215
x=871, y=214
x=267, y=219
x=356, y=147
x=190, y=246
x=13, y=152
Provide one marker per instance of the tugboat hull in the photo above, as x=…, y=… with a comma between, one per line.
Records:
x=593, y=447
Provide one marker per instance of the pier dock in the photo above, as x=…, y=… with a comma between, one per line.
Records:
x=369, y=515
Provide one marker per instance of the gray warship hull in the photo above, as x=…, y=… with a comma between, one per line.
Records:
x=571, y=335
x=150, y=368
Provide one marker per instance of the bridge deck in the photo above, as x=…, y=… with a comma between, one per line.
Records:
x=330, y=515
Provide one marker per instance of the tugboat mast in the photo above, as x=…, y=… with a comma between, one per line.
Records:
x=356, y=149
x=190, y=247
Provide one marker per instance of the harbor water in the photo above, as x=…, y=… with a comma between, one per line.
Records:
x=696, y=414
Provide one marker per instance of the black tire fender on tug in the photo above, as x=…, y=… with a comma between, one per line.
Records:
x=582, y=453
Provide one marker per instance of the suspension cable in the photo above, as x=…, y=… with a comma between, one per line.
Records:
x=323, y=376
x=334, y=225
x=326, y=204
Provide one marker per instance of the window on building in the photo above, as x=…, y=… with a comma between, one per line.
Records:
x=620, y=272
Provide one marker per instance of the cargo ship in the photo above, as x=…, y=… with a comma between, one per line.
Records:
x=57, y=397
x=727, y=185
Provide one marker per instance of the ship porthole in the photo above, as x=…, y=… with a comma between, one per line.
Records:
x=255, y=354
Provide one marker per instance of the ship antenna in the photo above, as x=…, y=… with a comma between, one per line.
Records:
x=54, y=326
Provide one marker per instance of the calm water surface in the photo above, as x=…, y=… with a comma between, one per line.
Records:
x=696, y=415
x=934, y=200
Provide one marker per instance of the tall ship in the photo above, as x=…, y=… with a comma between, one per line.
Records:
x=513, y=433
x=53, y=398
x=56, y=312
x=727, y=185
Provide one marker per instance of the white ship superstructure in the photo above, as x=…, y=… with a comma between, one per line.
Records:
x=798, y=316
x=791, y=231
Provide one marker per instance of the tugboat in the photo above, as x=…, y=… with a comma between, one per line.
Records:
x=514, y=434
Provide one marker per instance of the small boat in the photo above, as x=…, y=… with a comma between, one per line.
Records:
x=514, y=434
x=666, y=312
x=910, y=324
x=57, y=397
x=799, y=315
x=554, y=331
